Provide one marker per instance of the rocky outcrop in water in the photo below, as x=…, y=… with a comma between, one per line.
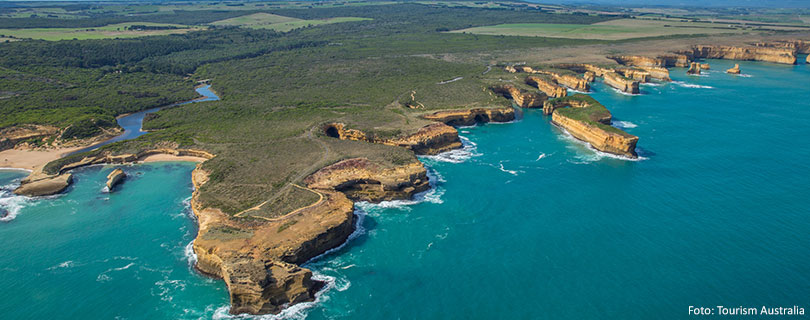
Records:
x=638, y=75
x=694, y=68
x=705, y=66
x=777, y=55
x=589, y=121
x=39, y=183
x=675, y=60
x=655, y=67
x=621, y=83
x=114, y=178
x=658, y=73
x=735, y=69
x=468, y=117
x=548, y=87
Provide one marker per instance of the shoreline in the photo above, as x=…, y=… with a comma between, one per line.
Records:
x=31, y=159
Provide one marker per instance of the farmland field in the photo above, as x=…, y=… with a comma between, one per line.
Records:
x=119, y=30
x=279, y=23
x=612, y=30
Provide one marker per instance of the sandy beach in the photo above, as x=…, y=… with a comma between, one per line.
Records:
x=30, y=159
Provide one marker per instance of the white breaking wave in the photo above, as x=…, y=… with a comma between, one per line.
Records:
x=652, y=84
x=691, y=85
x=63, y=265
x=625, y=93
x=541, y=156
x=10, y=203
x=577, y=91
x=458, y=155
x=596, y=155
x=744, y=75
x=191, y=257
x=624, y=124
x=512, y=172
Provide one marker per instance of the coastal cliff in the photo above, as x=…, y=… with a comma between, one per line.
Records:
x=260, y=260
x=431, y=139
x=571, y=81
x=777, y=55
x=588, y=120
x=655, y=67
x=621, y=83
x=468, y=117
x=520, y=98
x=548, y=87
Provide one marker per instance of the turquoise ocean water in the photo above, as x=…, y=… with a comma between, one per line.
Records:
x=524, y=223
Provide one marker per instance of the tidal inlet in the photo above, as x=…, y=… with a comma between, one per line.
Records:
x=404, y=160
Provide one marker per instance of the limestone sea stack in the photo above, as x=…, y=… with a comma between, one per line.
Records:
x=735, y=69
x=694, y=68
x=621, y=83
x=705, y=66
x=114, y=178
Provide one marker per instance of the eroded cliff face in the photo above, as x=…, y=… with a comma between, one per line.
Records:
x=638, y=75
x=621, y=83
x=659, y=73
x=363, y=180
x=800, y=46
x=522, y=99
x=599, y=138
x=675, y=60
x=548, y=87
x=470, y=117
x=777, y=55
x=41, y=183
x=259, y=260
x=431, y=139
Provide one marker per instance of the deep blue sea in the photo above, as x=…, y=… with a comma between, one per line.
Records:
x=524, y=223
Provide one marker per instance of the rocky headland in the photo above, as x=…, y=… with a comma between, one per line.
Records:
x=588, y=120
x=520, y=97
x=768, y=54
x=549, y=87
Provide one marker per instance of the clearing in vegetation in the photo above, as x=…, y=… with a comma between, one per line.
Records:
x=279, y=23
x=619, y=29
x=119, y=30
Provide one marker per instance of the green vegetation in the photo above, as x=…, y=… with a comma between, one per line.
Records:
x=281, y=75
x=594, y=114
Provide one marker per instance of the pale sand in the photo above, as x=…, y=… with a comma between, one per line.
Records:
x=30, y=159
x=169, y=157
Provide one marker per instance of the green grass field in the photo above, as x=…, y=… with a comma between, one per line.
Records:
x=106, y=32
x=612, y=30
x=279, y=23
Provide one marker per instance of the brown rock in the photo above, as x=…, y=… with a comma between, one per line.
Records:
x=735, y=69
x=621, y=83
x=520, y=98
x=694, y=68
x=114, y=178
x=472, y=116
x=548, y=87
x=44, y=185
x=777, y=55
